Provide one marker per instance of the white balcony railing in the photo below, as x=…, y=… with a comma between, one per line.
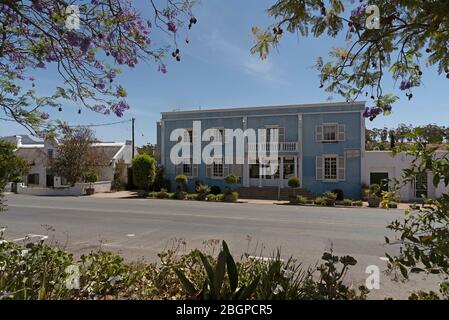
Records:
x=279, y=147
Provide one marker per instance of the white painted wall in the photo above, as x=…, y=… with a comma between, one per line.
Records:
x=383, y=161
x=77, y=190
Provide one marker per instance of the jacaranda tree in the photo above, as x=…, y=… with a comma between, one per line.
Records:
x=384, y=38
x=86, y=42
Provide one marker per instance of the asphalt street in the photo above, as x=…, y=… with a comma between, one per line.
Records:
x=141, y=228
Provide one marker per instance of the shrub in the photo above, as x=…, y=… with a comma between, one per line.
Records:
x=302, y=200
x=192, y=196
x=203, y=191
x=293, y=182
x=357, y=203
x=231, y=196
x=182, y=182
x=330, y=198
x=215, y=190
x=347, y=202
x=231, y=179
x=144, y=170
x=211, y=197
x=340, y=194
x=162, y=194
x=159, y=181
x=389, y=200
x=320, y=201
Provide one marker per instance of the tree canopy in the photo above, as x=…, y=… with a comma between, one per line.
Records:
x=87, y=42
x=411, y=34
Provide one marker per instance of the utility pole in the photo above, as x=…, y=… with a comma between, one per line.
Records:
x=133, y=120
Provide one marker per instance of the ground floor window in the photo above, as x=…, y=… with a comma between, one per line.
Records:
x=187, y=169
x=380, y=178
x=217, y=171
x=421, y=185
x=33, y=178
x=330, y=168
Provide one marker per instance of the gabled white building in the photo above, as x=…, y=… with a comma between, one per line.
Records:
x=39, y=154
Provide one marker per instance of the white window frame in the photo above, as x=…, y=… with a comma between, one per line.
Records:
x=330, y=156
x=180, y=169
x=330, y=125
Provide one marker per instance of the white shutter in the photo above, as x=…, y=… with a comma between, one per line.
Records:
x=209, y=169
x=341, y=168
x=319, y=168
x=179, y=169
x=225, y=170
x=186, y=136
x=281, y=134
x=341, y=132
x=319, y=133
x=194, y=170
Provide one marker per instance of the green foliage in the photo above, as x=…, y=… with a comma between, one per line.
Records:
x=390, y=199
x=203, y=190
x=91, y=177
x=412, y=36
x=329, y=198
x=12, y=167
x=302, y=200
x=423, y=234
x=192, y=196
x=320, y=201
x=231, y=179
x=347, y=202
x=144, y=171
x=357, y=203
x=182, y=182
x=293, y=182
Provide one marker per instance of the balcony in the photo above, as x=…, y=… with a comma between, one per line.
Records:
x=282, y=147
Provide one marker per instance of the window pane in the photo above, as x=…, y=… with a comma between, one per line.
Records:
x=330, y=132
x=330, y=168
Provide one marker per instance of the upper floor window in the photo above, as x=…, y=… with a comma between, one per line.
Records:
x=330, y=132
x=50, y=153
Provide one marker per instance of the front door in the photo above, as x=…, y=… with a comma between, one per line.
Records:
x=286, y=169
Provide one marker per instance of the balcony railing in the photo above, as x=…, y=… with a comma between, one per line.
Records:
x=279, y=147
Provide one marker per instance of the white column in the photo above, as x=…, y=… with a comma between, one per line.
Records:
x=298, y=164
x=163, y=143
x=281, y=172
x=245, y=165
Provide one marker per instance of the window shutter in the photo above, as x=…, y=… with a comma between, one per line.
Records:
x=341, y=132
x=225, y=170
x=281, y=134
x=341, y=168
x=194, y=170
x=319, y=133
x=186, y=136
x=237, y=170
x=319, y=168
x=179, y=169
x=209, y=169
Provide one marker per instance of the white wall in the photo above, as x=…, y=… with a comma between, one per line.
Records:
x=77, y=190
x=383, y=161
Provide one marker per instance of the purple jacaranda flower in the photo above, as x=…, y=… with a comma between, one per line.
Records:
x=51, y=56
x=45, y=115
x=119, y=108
x=163, y=68
x=100, y=85
x=367, y=113
x=37, y=5
x=77, y=137
x=171, y=26
x=32, y=78
x=85, y=44
x=73, y=39
x=405, y=85
x=40, y=65
x=358, y=12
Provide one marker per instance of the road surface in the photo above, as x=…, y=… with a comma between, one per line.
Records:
x=141, y=228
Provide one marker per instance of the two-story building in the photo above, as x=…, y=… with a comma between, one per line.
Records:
x=322, y=144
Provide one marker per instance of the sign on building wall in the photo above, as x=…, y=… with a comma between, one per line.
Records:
x=352, y=153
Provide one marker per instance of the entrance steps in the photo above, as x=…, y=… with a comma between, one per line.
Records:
x=271, y=193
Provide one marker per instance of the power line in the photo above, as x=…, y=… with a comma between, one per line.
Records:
x=102, y=124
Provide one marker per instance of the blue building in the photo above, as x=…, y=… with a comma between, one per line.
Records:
x=322, y=144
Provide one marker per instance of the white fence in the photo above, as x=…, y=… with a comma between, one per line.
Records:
x=78, y=189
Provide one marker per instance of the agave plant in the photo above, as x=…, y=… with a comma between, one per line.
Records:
x=213, y=287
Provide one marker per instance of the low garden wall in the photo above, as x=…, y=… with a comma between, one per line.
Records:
x=78, y=189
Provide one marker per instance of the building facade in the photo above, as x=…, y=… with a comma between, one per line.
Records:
x=321, y=144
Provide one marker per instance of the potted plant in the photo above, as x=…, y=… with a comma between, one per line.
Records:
x=293, y=183
x=229, y=194
x=90, y=178
x=182, y=186
x=373, y=196
x=16, y=181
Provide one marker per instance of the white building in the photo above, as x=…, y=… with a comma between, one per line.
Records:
x=380, y=165
x=39, y=154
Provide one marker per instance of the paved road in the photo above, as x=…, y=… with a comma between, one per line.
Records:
x=139, y=228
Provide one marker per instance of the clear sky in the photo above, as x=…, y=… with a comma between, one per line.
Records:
x=217, y=70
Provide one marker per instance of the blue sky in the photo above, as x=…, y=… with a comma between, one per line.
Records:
x=217, y=70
